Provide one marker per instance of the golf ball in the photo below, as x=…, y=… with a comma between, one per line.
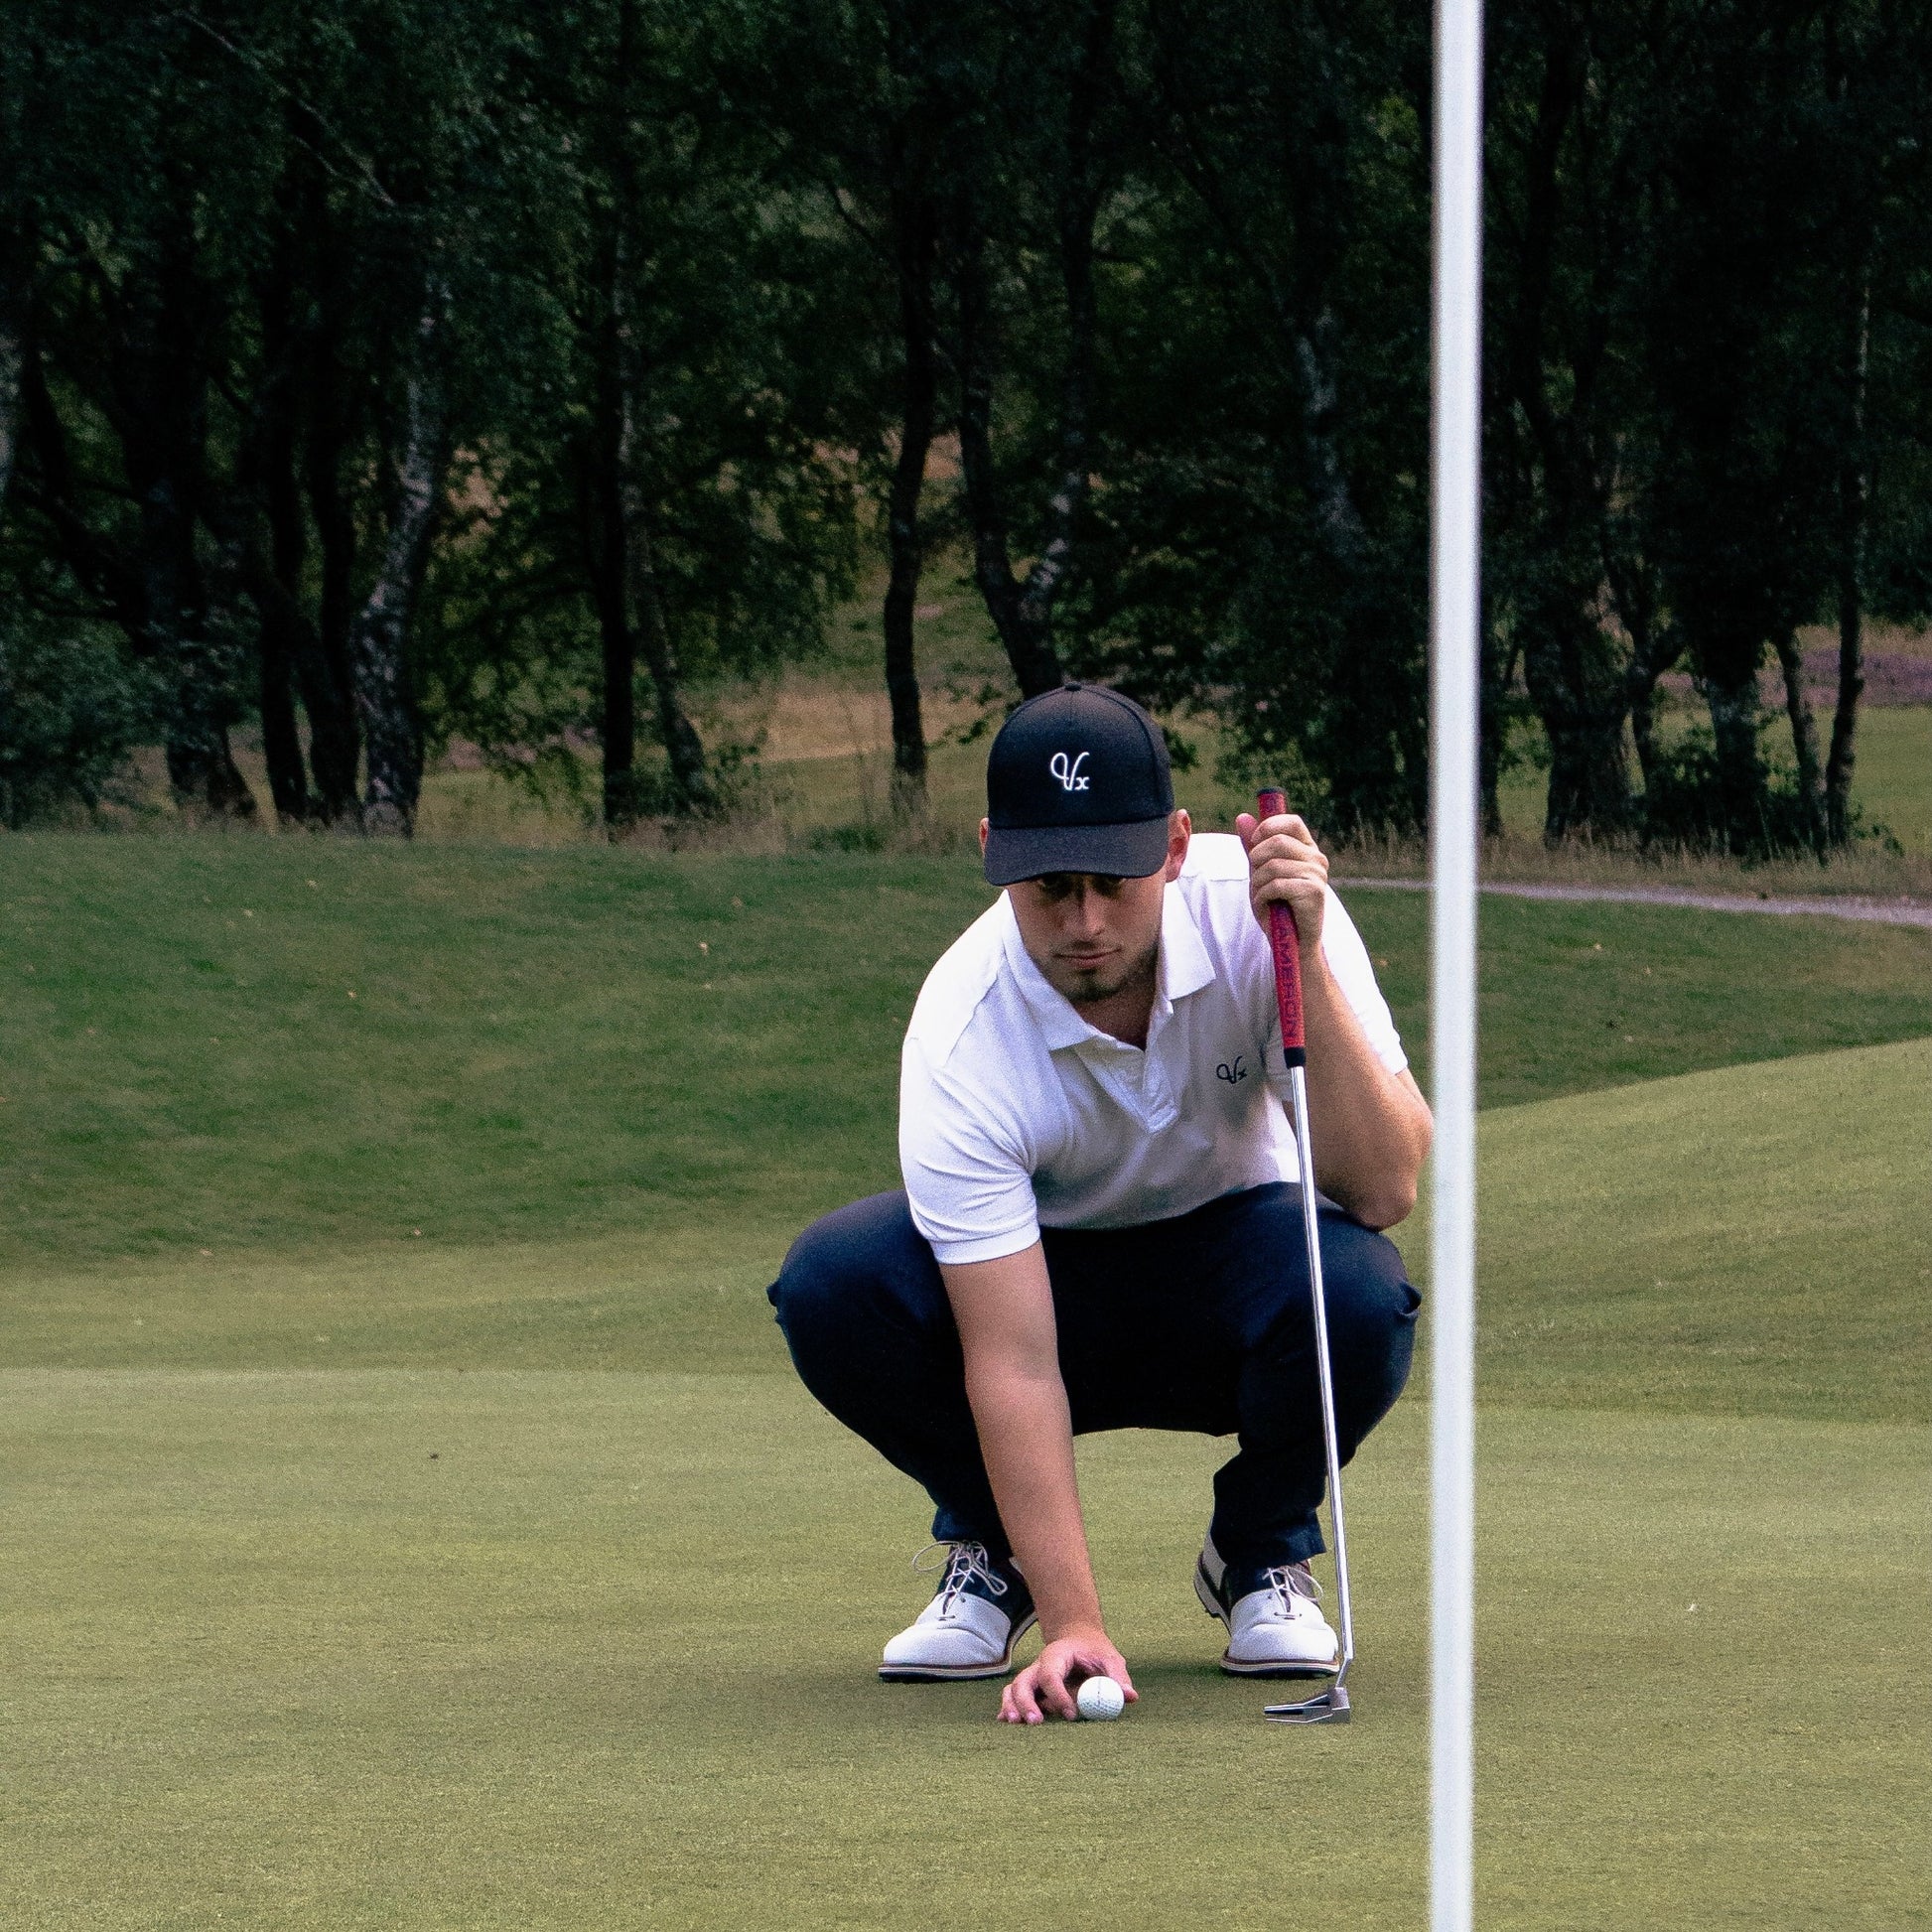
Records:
x=1100, y=1699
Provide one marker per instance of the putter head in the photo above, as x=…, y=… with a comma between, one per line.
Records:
x=1331, y=1706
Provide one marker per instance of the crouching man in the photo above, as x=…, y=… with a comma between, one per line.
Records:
x=1095, y=1232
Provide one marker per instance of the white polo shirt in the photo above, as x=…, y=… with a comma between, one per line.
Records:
x=1015, y=1114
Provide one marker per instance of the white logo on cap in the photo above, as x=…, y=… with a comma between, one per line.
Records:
x=1068, y=772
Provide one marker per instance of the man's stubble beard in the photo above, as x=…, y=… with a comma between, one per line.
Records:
x=1088, y=988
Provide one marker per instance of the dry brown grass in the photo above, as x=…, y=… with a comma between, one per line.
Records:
x=822, y=776
x=804, y=715
x=1905, y=640
x=1865, y=872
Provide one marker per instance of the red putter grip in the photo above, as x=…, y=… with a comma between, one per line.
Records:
x=1287, y=942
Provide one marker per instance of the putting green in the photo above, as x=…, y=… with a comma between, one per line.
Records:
x=1749, y=1240
x=503, y=1577
x=566, y=1649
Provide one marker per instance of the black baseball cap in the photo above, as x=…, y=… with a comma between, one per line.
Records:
x=1077, y=782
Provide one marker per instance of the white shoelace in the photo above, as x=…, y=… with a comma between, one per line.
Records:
x=963, y=1562
x=1292, y=1580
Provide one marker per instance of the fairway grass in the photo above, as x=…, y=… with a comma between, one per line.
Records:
x=501, y=1575
x=281, y=1049
x=1749, y=1240
x=566, y=1649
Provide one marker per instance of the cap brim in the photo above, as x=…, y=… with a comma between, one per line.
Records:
x=1112, y=851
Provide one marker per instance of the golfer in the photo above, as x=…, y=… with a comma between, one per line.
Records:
x=1095, y=1230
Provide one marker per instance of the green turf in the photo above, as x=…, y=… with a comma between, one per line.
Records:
x=503, y=1577
x=1745, y=1241
x=580, y=1650
x=1576, y=997
x=586, y=1042
x=1893, y=783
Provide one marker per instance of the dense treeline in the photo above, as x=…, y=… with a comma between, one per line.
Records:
x=381, y=373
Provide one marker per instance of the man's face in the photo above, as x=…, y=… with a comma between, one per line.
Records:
x=1093, y=935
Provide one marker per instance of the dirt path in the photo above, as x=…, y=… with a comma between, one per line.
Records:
x=1874, y=912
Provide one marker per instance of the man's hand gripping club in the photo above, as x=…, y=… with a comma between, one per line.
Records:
x=1374, y=1125
x=1004, y=1310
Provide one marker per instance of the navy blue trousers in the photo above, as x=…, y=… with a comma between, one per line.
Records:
x=1204, y=1323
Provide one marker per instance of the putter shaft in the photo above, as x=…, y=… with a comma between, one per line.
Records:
x=1331, y=1705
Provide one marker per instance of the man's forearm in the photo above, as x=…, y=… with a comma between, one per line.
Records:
x=1009, y=1342
x=1371, y=1127
x=1026, y=1437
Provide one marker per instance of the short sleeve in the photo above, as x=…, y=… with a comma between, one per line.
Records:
x=968, y=1175
x=1348, y=961
x=1355, y=974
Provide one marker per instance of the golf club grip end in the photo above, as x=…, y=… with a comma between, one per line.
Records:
x=1286, y=945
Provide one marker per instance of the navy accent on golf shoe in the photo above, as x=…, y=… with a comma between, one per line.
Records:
x=1273, y=1621
x=979, y=1612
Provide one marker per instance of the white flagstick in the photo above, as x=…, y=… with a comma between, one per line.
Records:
x=1455, y=619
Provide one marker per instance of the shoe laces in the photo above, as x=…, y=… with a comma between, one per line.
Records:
x=1292, y=1580
x=962, y=1562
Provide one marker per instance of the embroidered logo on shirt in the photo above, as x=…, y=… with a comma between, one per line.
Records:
x=1068, y=772
x=1231, y=1074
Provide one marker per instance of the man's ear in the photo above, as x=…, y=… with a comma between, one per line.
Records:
x=986, y=825
x=1180, y=829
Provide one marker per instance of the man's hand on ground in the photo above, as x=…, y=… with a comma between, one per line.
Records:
x=1048, y=1685
x=1285, y=864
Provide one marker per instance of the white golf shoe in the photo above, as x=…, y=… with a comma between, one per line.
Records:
x=980, y=1610
x=1275, y=1625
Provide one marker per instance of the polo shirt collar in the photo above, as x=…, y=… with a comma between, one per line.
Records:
x=1184, y=968
x=1052, y=1011
x=1184, y=963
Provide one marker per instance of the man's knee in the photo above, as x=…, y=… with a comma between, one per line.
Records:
x=858, y=1266
x=1371, y=1306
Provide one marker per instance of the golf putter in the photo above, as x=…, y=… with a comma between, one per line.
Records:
x=1331, y=1706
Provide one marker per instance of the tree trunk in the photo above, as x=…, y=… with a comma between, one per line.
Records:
x=1023, y=612
x=1804, y=740
x=323, y=666
x=648, y=628
x=158, y=384
x=287, y=644
x=1344, y=533
x=619, y=720
x=267, y=471
x=13, y=348
x=1844, y=757
x=1580, y=695
x=683, y=748
x=287, y=778
x=1855, y=488
x=1499, y=670
x=106, y=570
x=1027, y=641
x=1730, y=696
x=602, y=502
x=1654, y=647
x=385, y=695
x=914, y=225
x=602, y=514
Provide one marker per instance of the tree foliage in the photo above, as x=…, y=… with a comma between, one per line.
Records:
x=375, y=375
